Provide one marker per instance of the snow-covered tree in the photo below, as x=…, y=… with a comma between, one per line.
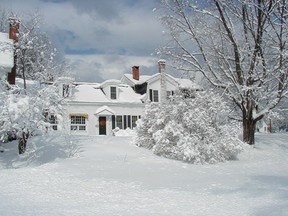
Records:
x=34, y=51
x=24, y=113
x=3, y=20
x=26, y=107
x=191, y=129
x=239, y=46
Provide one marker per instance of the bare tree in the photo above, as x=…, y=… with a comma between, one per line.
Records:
x=238, y=45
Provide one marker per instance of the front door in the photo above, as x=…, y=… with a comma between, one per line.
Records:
x=102, y=125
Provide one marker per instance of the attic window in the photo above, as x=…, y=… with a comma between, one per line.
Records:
x=66, y=90
x=113, y=92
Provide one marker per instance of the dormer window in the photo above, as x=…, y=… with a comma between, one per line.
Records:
x=66, y=90
x=113, y=93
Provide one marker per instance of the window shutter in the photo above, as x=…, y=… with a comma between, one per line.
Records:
x=125, y=121
x=113, y=122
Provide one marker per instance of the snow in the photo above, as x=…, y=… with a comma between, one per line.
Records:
x=102, y=175
x=88, y=93
x=182, y=82
x=93, y=93
x=6, y=51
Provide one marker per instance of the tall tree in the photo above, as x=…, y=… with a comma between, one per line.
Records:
x=239, y=46
x=24, y=108
x=34, y=50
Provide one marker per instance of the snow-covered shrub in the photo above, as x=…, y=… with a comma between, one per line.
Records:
x=194, y=130
x=22, y=111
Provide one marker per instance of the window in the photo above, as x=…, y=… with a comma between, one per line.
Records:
x=124, y=121
x=113, y=93
x=78, y=123
x=119, y=122
x=66, y=89
x=169, y=94
x=52, y=119
x=154, y=97
x=134, y=119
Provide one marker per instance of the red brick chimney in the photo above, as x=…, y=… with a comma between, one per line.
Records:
x=14, y=28
x=135, y=72
x=13, y=34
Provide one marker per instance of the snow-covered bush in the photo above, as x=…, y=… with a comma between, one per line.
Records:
x=22, y=111
x=194, y=130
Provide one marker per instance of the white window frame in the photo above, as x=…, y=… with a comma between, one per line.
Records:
x=78, y=123
x=154, y=94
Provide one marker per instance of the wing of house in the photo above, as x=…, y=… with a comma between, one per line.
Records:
x=6, y=55
x=98, y=108
x=157, y=87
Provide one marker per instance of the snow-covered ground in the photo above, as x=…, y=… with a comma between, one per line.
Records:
x=110, y=176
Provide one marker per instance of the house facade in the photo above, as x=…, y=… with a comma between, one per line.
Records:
x=100, y=108
x=7, y=52
x=6, y=55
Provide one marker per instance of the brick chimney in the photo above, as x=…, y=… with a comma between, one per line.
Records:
x=14, y=24
x=135, y=72
x=14, y=28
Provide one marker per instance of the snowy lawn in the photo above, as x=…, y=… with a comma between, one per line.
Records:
x=110, y=176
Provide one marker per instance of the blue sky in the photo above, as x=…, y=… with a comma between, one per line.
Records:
x=101, y=38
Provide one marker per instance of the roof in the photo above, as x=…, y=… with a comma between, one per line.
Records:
x=88, y=93
x=142, y=78
x=183, y=83
x=6, y=51
x=93, y=93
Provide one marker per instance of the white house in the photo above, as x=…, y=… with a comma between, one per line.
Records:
x=98, y=108
x=6, y=55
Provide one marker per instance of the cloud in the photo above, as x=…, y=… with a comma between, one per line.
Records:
x=97, y=68
x=131, y=30
x=102, y=39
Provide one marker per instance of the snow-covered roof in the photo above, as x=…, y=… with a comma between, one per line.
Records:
x=94, y=93
x=88, y=93
x=127, y=94
x=110, y=82
x=183, y=83
x=142, y=78
x=6, y=52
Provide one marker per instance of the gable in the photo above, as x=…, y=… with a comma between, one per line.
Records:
x=104, y=110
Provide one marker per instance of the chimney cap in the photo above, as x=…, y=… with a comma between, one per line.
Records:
x=163, y=61
x=13, y=19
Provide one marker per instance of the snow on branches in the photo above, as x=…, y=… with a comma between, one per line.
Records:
x=194, y=130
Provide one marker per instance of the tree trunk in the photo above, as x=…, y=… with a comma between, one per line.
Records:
x=249, y=127
x=22, y=142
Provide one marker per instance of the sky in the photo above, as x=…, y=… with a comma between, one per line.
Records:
x=101, y=39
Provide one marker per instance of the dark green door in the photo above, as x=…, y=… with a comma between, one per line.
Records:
x=102, y=125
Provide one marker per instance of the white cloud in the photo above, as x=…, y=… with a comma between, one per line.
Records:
x=125, y=33
x=95, y=68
